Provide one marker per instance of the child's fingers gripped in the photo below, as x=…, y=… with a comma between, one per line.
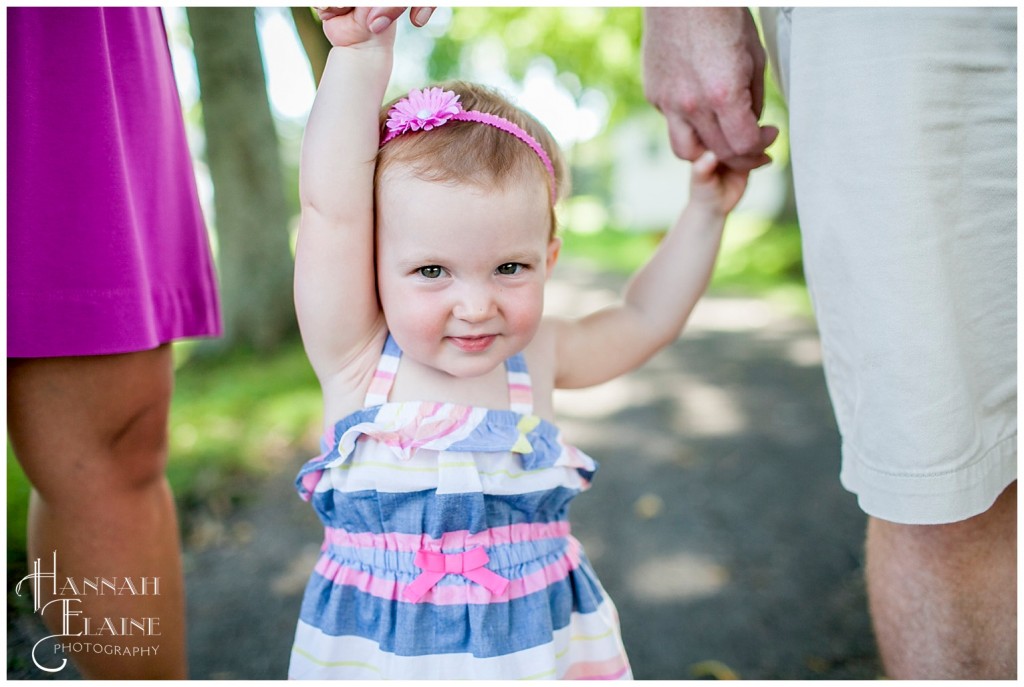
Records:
x=347, y=26
x=326, y=13
x=705, y=165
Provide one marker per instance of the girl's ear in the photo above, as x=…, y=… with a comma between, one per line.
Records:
x=554, y=248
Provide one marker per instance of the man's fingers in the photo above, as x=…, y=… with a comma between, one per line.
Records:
x=685, y=142
x=746, y=163
x=768, y=135
x=740, y=130
x=689, y=143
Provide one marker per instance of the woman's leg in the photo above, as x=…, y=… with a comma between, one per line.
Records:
x=91, y=434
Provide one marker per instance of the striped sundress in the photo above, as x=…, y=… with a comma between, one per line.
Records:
x=447, y=552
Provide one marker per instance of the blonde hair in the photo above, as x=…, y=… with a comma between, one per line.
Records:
x=473, y=153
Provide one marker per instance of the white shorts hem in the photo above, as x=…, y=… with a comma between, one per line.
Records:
x=932, y=499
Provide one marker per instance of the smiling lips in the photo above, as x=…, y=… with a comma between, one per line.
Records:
x=472, y=344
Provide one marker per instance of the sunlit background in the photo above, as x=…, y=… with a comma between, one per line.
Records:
x=625, y=176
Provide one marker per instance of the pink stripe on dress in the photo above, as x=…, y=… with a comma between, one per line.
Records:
x=449, y=541
x=380, y=385
x=445, y=595
x=611, y=669
x=523, y=392
x=425, y=428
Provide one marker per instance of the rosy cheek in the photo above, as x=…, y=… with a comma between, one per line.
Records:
x=422, y=312
x=524, y=309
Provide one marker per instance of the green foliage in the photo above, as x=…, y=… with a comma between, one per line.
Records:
x=18, y=490
x=238, y=415
x=758, y=257
x=762, y=258
x=616, y=250
x=595, y=47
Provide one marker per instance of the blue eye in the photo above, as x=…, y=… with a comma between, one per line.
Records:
x=431, y=272
x=510, y=268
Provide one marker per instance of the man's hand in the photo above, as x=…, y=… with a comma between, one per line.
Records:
x=704, y=69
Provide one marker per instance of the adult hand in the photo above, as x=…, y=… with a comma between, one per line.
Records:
x=381, y=18
x=704, y=69
x=346, y=26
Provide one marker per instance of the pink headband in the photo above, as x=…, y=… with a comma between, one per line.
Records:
x=429, y=108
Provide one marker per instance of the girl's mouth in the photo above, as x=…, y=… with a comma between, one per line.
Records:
x=472, y=344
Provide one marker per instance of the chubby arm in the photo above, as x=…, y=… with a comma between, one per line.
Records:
x=659, y=298
x=335, y=285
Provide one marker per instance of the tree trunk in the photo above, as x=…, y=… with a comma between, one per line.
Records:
x=311, y=33
x=251, y=216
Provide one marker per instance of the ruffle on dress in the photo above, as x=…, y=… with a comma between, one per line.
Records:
x=407, y=428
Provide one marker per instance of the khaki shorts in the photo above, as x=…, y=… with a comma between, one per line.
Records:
x=903, y=138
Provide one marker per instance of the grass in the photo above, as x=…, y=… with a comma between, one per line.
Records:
x=758, y=258
x=17, y=507
x=240, y=414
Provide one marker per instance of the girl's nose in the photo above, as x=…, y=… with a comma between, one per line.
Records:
x=475, y=304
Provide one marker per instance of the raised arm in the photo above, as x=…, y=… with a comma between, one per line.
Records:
x=660, y=296
x=335, y=286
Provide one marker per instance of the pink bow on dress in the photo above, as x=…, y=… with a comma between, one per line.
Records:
x=469, y=564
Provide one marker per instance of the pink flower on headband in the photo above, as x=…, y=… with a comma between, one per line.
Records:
x=433, y=107
x=422, y=110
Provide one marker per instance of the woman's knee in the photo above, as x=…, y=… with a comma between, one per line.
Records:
x=97, y=422
x=134, y=453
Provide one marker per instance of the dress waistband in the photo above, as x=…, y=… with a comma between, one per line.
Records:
x=501, y=563
x=507, y=546
x=462, y=539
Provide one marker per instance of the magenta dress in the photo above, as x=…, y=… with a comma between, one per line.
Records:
x=107, y=251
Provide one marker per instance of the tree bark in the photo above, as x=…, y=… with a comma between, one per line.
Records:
x=251, y=215
x=315, y=43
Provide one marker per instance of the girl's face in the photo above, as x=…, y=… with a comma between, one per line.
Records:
x=461, y=270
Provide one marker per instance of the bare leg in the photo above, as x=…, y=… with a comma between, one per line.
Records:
x=91, y=434
x=943, y=598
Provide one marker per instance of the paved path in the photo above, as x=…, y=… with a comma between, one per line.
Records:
x=716, y=521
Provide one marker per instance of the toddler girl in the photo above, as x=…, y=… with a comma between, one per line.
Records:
x=444, y=487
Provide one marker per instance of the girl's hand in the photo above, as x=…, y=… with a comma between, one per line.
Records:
x=716, y=186
x=345, y=26
x=349, y=26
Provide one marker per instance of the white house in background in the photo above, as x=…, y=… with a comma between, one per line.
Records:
x=650, y=185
